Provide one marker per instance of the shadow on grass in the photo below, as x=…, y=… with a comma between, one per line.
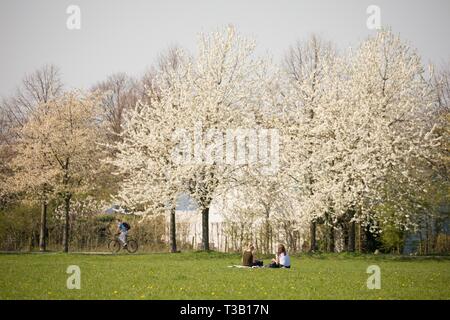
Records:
x=369, y=256
x=211, y=254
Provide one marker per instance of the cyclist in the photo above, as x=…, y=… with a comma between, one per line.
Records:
x=122, y=228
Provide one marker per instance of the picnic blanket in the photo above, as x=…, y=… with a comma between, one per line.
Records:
x=240, y=266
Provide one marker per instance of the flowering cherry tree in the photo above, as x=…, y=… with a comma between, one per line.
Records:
x=173, y=144
x=366, y=126
x=57, y=150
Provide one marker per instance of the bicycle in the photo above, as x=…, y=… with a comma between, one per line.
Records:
x=115, y=245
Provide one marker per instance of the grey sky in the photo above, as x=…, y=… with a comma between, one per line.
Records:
x=128, y=35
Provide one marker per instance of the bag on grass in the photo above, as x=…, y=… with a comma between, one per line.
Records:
x=258, y=263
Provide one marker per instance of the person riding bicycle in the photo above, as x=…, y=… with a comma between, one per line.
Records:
x=123, y=228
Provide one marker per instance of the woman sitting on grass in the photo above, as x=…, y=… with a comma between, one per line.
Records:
x=249, y=257
x=282, y=259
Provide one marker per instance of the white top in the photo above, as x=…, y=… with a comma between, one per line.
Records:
x=285, y=260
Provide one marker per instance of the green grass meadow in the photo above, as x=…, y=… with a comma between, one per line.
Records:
x=200, y=275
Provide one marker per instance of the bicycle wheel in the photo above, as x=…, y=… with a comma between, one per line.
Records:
x=114, y=246
x=132, y=246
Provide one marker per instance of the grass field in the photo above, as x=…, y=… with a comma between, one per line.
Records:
x=206, y=276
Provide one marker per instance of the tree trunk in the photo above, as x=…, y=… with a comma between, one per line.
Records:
x=267, y=237
x=30, y=242
x=66, y=223
x=173, y=234
x=312, y=235
x=352, y=237
x=42, y=244
x=205, y=228
x=371, y=241
x=331, y=246
x=344, y=236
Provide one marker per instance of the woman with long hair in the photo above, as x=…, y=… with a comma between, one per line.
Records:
x=249, y=257
x=282, y=259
